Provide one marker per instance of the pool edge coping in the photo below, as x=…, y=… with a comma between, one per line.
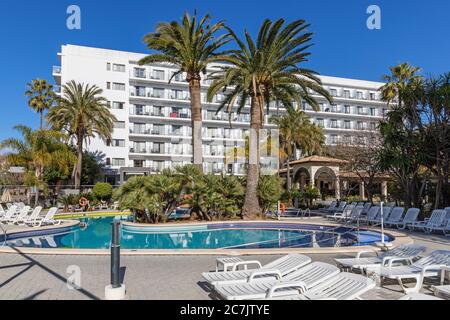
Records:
x=400, y=238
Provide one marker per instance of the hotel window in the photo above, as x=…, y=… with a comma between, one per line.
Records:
x=119, y=125
x=139, y=110
x=178, y=77
x=118, y=67
x=119, y=143
x=373, y=112
x=360, y=110
x=333, y=92
x=159, y=165
x=158, y=129
x=139, y=72
x=361, y=125
x=333, y=123
x=108, y=85
x=139, y=128
x=320, y=122
x=347, y=124
x=158, y=148
x=347, y=139
x=359, y=95
x=108, y=66
x=140, y=147
x=176, y=94
x=373, y=126
x=117, y=105
x=333, y=139
x=347, y=94
x=118, y=86
x=140, y=91
x=158, y=93
x=139, y=163
x=158, y=111
x=158, y=74
x=118, y=162
x=176, y=130
x=372, y=96
x=347, y=109
x=334, y=108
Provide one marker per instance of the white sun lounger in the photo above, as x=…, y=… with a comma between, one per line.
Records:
x=410, y=218
x=9, y=214
x=429, y=266
x=419, y=296
x=344, y=286
x=371, y=214
x=386, y=213
x=330, y=208
x=21, y=215
x=354, y=215
x=34, y=214
x=361, y=263
x=366, y=208
x=442, y=291
x=341, y=215
x=311, y=275
x=435, y=221
x=283, y=266
x=48, y=219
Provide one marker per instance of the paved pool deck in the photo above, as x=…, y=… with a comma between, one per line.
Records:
x=151, y=277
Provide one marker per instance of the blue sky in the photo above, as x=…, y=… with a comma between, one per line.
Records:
x=32, y=33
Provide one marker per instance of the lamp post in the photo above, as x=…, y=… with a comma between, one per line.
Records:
x=115, y=291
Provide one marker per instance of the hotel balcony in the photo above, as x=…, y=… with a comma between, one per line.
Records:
x=56, y=72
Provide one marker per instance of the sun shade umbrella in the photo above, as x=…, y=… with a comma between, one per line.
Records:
x=6, y=196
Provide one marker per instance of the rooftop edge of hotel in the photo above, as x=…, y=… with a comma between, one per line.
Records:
x=94, y=51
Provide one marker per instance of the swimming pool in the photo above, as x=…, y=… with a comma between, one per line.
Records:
x=255, y=235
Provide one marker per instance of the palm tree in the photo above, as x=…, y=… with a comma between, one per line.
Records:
x=402, y=150
x=41, y=97
x=83, y=113
x=399, y=83
x=297, y=132
x=36, y=151
x=191, y=46
x=264, y=71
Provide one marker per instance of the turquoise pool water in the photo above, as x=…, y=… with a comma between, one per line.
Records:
x=97, y=235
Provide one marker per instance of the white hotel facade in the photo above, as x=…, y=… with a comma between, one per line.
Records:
x=153, y=125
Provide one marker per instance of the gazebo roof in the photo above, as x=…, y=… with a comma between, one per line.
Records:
x=319, y=159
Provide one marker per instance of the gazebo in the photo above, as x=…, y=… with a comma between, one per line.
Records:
x=327, y=174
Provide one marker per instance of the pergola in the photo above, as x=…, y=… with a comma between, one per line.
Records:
x=327, y=174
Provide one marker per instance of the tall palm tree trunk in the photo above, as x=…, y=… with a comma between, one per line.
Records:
x=251, y=205
x=196, y=114
x=79, y=163
x=289, y=178
x=41, y=119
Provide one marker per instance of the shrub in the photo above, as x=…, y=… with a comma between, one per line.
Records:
x=310, y=193
x=218, y=197
x=269, y=192
x=150, y=198
x=102, y=191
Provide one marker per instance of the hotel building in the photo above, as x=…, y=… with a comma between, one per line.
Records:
x=153, y=125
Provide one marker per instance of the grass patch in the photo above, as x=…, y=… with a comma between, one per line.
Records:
x=80, y=215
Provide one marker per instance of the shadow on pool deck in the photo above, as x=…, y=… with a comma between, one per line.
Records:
x=33, y=263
